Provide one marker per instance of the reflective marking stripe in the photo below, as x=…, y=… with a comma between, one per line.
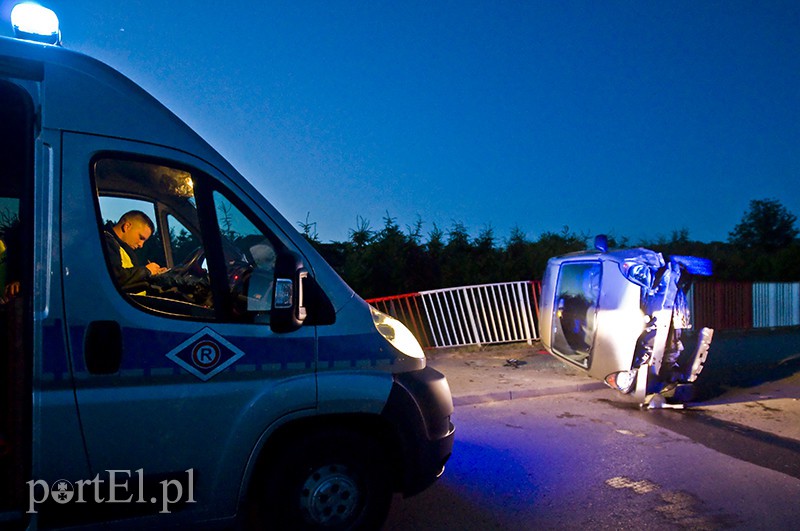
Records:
x=246, y=368
x=162, y=371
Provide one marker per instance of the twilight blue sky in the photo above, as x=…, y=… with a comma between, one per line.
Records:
x=634, y=118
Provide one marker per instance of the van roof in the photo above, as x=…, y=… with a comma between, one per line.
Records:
x=93, y=97
x=81, y=94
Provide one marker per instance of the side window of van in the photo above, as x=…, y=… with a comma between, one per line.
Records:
x=16, y=161
x=10, y=238
x=156, y=228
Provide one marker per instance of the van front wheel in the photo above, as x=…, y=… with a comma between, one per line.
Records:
x=326, y=481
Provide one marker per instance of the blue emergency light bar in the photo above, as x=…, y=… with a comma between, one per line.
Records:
x=35, y=23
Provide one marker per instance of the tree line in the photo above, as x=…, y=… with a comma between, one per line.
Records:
x=762, y=247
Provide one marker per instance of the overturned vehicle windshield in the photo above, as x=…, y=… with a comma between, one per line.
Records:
x=624, y=317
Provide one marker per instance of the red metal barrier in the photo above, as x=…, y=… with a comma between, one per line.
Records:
x=536, y=293
x=723, y=305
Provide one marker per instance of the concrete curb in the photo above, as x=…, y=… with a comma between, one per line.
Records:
x=483, y=377
x=498, y=396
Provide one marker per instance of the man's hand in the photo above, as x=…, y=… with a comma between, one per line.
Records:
x=12, y=290
x=154, y=268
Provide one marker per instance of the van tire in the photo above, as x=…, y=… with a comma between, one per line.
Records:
x=332, y=480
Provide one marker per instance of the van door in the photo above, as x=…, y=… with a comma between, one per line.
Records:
x=16, y=295
x=40, y=436
x=575, y=311
x=178, y=376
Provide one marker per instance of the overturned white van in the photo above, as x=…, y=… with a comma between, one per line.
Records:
x=622, y=316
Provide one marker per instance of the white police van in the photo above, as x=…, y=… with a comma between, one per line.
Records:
x=246, y=386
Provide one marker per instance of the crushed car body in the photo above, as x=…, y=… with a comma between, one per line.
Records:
x=624, y=317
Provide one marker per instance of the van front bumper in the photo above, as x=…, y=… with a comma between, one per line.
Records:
x=420, y=406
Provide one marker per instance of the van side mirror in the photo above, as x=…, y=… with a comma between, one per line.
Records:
x=288, y=306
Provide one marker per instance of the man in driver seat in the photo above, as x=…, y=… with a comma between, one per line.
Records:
x=129, y=234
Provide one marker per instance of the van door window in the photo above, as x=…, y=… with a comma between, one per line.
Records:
x=181, y=241
x=113, y=208
x=175, y=265
x=135, y=200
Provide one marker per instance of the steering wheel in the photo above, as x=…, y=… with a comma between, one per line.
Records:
x=237, y=264
x=192, y=264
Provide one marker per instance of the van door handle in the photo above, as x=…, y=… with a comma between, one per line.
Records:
x=102, y=347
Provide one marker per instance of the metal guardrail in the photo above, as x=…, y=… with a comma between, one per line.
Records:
x=473, y=315
x=776, y=304
x=477, y=315
x=509, y=312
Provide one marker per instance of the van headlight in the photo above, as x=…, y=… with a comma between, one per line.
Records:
x=397, y=334
x=622, y=381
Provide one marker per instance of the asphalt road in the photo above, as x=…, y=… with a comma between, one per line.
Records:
x=585, y=461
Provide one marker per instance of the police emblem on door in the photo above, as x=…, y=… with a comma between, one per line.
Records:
x=205, y=354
